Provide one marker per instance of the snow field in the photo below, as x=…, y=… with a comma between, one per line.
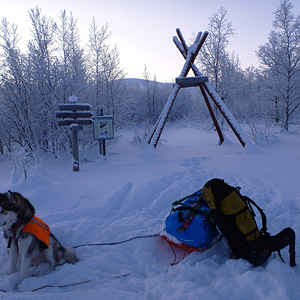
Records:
x=130, y=192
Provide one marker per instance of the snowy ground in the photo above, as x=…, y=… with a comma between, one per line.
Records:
x=130, y=193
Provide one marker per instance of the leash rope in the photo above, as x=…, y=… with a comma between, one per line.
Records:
x=134, y=238
x=117, y=243
x=67, y=285
x=89, y=245
x=76, y=283
x=54, y=286
x=61, y=286
x=103, y=244
x=175, y=256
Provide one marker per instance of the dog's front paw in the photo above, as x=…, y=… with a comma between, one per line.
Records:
x=41, y=269
x=13, y=282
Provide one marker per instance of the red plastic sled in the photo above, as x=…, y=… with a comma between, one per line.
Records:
x=171, y=240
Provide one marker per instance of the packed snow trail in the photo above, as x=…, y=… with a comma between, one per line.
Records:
x=130, y=193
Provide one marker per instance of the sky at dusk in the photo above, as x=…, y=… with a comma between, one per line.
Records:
x=143, y=30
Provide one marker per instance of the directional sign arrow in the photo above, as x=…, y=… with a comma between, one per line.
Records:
x=73, y=114
x=75, y=107
x=67, y=122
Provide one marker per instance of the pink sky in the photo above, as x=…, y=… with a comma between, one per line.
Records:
x=143, y=30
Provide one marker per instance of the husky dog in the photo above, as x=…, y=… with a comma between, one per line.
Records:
x=17, y=220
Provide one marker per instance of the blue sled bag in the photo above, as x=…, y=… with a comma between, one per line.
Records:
x=189, y=223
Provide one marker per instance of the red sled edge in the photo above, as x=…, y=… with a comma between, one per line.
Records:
x=171, y=240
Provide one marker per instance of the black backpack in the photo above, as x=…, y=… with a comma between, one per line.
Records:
x=233, y=216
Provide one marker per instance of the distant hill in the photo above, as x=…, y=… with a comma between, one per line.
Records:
x=140, y=82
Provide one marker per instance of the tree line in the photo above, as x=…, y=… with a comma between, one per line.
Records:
x=269, y=92
x=56, y=66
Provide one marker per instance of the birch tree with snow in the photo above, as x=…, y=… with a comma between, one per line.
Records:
x=112, y=83
x=150, y=97
x=214, y=57
x=280, y=63
x=72, y=72
x=96, y=49
x=105, y=72
x=17, y=124
x=44, y=76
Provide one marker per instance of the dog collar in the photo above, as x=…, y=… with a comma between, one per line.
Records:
x=14, y=230
x=9, y=243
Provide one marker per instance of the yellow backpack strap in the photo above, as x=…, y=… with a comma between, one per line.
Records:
x=263, y=216
x=209, y=197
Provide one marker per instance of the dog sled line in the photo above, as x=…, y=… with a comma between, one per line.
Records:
x=196, y=222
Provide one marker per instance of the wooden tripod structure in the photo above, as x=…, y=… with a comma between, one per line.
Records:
x=207, y=90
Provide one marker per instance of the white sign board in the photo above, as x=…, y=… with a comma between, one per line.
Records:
x=103, y=127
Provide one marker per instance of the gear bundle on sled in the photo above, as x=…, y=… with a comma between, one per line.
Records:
x=219, y=207
x=188, y=226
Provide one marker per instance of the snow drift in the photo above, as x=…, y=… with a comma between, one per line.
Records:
x=129, y=193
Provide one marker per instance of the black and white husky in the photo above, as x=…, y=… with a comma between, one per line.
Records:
x=16, y=212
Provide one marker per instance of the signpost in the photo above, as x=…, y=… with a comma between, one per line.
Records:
x=103, y=129
x=74, y=115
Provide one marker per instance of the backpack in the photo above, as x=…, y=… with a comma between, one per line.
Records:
x=233, y=216
x=188, y=226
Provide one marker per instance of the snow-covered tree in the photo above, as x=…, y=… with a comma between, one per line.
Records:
x=72, y=71
x=96, y=48
x=280, y=63
x=53, y=68
x=43, y=77
x=223, y=67
x=72, y=79
x=112, y=83
x=253, y=107
x=17, y=125
x=149, y=97
x=105, y=72
x=214, y=55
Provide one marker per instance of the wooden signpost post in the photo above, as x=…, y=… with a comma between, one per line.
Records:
x=75, y=115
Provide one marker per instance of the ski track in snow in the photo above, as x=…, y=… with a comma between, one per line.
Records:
x=130, y=192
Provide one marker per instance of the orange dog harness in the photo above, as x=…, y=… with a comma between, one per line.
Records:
x=38, y=228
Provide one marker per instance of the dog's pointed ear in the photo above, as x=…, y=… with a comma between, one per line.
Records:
x=11, y=197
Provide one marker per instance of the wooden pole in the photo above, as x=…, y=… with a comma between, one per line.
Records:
x=75, y=150
x=190, y=54
x=74, y=115
x=211, y=112
x=239, y=133
x=183, y=51
x=190, y=57
x=102, y=145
